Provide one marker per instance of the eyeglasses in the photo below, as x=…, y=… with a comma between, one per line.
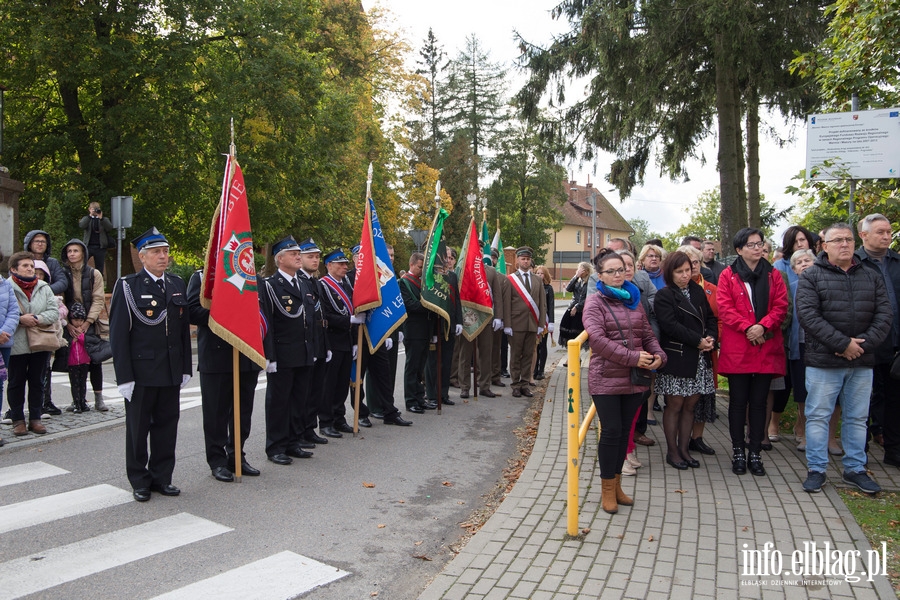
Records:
x=695, y=262
x=754, y=244
x=618, y=271
x=840, y=241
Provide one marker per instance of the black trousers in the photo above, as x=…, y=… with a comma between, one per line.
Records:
x=153, y=412
x=78, y=375
x=747, y=391
x=217, y=395
x=615, y=412
x=431, y=383
x=316, y=396
x=287, y=392
x=99, y=256
x=379, y=379
x=884, y=410
x=26, y=369
x=333, y=409
x=414, y=371
x=373, y=391
x=541, y=356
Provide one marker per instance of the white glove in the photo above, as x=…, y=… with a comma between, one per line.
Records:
x=540, y=330
x=507, y=331
x=328, y=356
x=355, y=350
x=434, y=339
x=126, y=389
x=271, y=366
x=358, y=319
x=315, y=358
x=498, y=324
x=184, y=380
x=400, y=336
x=388, y=343
x=458, y=330
x=550, y=327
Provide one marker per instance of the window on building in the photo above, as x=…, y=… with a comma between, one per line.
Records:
x=578, y=237
x=589, y=240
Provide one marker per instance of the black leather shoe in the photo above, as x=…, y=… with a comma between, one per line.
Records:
x=505, y=374
x=413, y=409
x=281, y=459
x=487, y=394
x=313, y=438
x=680, y=465
x=165, y=490
x=298, y=452
x=754, y=464
x=739, y=462
x=517, y=393
x=376, y=415
x=247, y=470
x=498, y=383
x=222, y=474
x=141, y=494
x=464, y=394
x=527, y=392
x=305, y=444
x=331, y=432
x=429, y=405
x=344, y=428
x=365, y=422
x=450, y=402
x=691, y=462
x=698, y=445
x=396, y=419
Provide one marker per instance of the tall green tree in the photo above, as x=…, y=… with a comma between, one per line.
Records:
x=527, y=190
x=427, y=131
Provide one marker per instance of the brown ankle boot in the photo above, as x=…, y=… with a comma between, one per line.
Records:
x=37, y=427
x=608, y=496
x=19, y=428
x=621, y=498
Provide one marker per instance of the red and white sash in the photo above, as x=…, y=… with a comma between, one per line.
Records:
x=339, y=290
x=526, y=297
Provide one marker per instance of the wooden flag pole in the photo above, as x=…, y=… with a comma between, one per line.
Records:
x=359, y=332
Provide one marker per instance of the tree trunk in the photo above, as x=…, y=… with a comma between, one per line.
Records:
x=729, y=131
x=754, y=217
x=740, y=164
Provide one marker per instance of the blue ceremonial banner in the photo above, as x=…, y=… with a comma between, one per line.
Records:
x=383, y=319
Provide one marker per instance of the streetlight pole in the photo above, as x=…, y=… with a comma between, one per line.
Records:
x=593, y=223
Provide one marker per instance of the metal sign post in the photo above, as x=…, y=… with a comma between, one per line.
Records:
x=121, y=220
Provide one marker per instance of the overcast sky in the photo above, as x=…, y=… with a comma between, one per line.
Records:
x=662, y=203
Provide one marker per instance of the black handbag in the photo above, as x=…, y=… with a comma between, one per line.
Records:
x=639, y=375
x=97, y=348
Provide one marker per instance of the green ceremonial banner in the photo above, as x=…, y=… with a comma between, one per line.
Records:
x=435, y=291
x=501, y=262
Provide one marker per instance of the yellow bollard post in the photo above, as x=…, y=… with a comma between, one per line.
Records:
x=573, y=383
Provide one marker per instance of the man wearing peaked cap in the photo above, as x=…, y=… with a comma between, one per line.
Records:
x=150, y=336
x=290, y=352
x=526, y=313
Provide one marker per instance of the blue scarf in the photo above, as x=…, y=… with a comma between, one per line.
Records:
x=628, y=294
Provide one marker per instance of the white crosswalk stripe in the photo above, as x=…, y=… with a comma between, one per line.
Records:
x=17, y=474
x=43, y=570
x=283, y=575
x=59, y=506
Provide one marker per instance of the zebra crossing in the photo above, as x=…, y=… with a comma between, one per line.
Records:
x=282, y=575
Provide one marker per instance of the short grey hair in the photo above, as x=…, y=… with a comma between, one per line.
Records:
x=800, y=253
x=866, y=222
x=833, y=226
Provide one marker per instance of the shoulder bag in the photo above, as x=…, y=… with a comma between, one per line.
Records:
x=639, y=375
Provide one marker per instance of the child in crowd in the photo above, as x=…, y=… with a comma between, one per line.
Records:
x=79, y=360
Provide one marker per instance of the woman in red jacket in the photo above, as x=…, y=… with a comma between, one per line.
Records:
x=752, y=302
x=621, y=338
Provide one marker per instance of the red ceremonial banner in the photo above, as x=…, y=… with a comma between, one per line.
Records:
x=229, y=288
x=366, y=287
x=474, y=290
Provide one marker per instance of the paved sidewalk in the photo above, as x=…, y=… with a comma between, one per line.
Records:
x=684, y=537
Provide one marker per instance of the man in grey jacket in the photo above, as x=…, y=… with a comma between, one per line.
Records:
x=843, y=307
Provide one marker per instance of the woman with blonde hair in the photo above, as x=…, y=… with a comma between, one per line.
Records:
x=570, y=326
x=650, y=259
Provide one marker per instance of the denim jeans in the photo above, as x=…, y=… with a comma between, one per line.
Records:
x=824, y=386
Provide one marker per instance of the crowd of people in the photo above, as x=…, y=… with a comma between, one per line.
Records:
x=819, y=320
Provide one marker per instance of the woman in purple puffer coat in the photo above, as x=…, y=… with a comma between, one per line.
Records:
x=620, y=338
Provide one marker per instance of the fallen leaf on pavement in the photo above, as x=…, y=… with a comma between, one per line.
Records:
x=421, y=557
x=650, y=539
x=681, y=491
x=447, y=484
x=381, y=526
x=368, y=485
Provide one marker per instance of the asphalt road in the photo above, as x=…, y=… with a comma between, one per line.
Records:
x=369, y=506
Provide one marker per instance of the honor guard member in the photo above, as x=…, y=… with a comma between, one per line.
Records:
x=149, y=332
x=337, y=304
x=484, y=341
x=374, y=404
x=417, y=330
x=215, y=365
x=498, y=356
x=445, y=264
x=527, y=312
x=310, y=256
x=290, y=350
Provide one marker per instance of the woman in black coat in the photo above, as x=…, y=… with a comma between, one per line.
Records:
x=688, y=332
x=541, y=354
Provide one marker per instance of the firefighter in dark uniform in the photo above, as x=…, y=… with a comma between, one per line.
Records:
x=214, y=363
x=337, y=303
x=290, y=350
x=150, y=336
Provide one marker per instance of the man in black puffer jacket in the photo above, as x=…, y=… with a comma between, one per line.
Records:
x=844, y=309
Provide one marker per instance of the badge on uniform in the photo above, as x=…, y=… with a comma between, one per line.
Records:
x=149, y=313
x=153, y=303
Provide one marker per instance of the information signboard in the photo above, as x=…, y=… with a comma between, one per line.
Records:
x=853, y=145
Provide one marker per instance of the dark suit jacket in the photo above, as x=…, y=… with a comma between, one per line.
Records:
x=150, y=355
x=341, y=334
x=214, y=355
x=682, y=325
x=288, y=340
x=418, y=324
